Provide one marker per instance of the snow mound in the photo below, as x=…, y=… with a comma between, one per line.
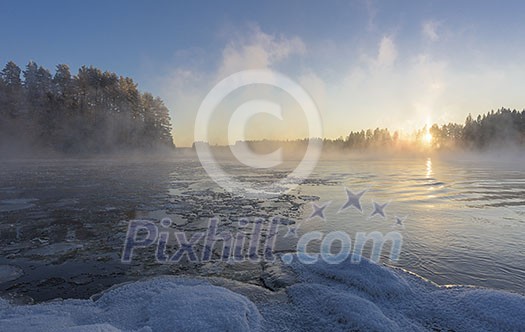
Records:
x=161, y=304
x=324, y=297
x=371, y=297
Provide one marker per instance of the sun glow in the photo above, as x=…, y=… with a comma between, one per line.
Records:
x=427, y=138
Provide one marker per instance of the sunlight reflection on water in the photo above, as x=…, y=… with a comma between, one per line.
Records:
x=465, y=220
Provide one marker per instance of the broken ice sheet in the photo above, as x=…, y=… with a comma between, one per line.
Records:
x=10, y=273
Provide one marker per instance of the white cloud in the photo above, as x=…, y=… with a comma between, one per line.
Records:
x=429, y=30
x=184, y=88
x=387, y=53
x=257, y=50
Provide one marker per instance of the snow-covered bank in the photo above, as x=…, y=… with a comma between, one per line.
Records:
x=160, y=304
x=364, y=297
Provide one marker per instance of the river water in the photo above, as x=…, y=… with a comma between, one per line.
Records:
x=63, y=223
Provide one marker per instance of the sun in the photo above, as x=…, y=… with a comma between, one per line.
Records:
x=427, y=138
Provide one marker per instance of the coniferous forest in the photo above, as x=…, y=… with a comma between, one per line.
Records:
x=90, y=112
x=504, y=128
x=493, y=130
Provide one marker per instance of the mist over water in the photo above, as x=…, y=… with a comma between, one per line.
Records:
x=65, y=220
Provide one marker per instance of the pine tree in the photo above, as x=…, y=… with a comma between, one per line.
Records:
x=93, y=111
x=12, y=101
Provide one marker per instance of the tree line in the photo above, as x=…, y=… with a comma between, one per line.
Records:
x=90, y=112
x=495, y=129
x=501, y=128
x=492, y=130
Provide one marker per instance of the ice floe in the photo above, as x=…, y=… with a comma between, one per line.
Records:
x=9, y=273
x=8, y=205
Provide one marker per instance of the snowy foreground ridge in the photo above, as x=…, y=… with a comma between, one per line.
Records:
x=343, y=297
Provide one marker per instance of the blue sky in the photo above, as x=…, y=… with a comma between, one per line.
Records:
x=396, y=64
